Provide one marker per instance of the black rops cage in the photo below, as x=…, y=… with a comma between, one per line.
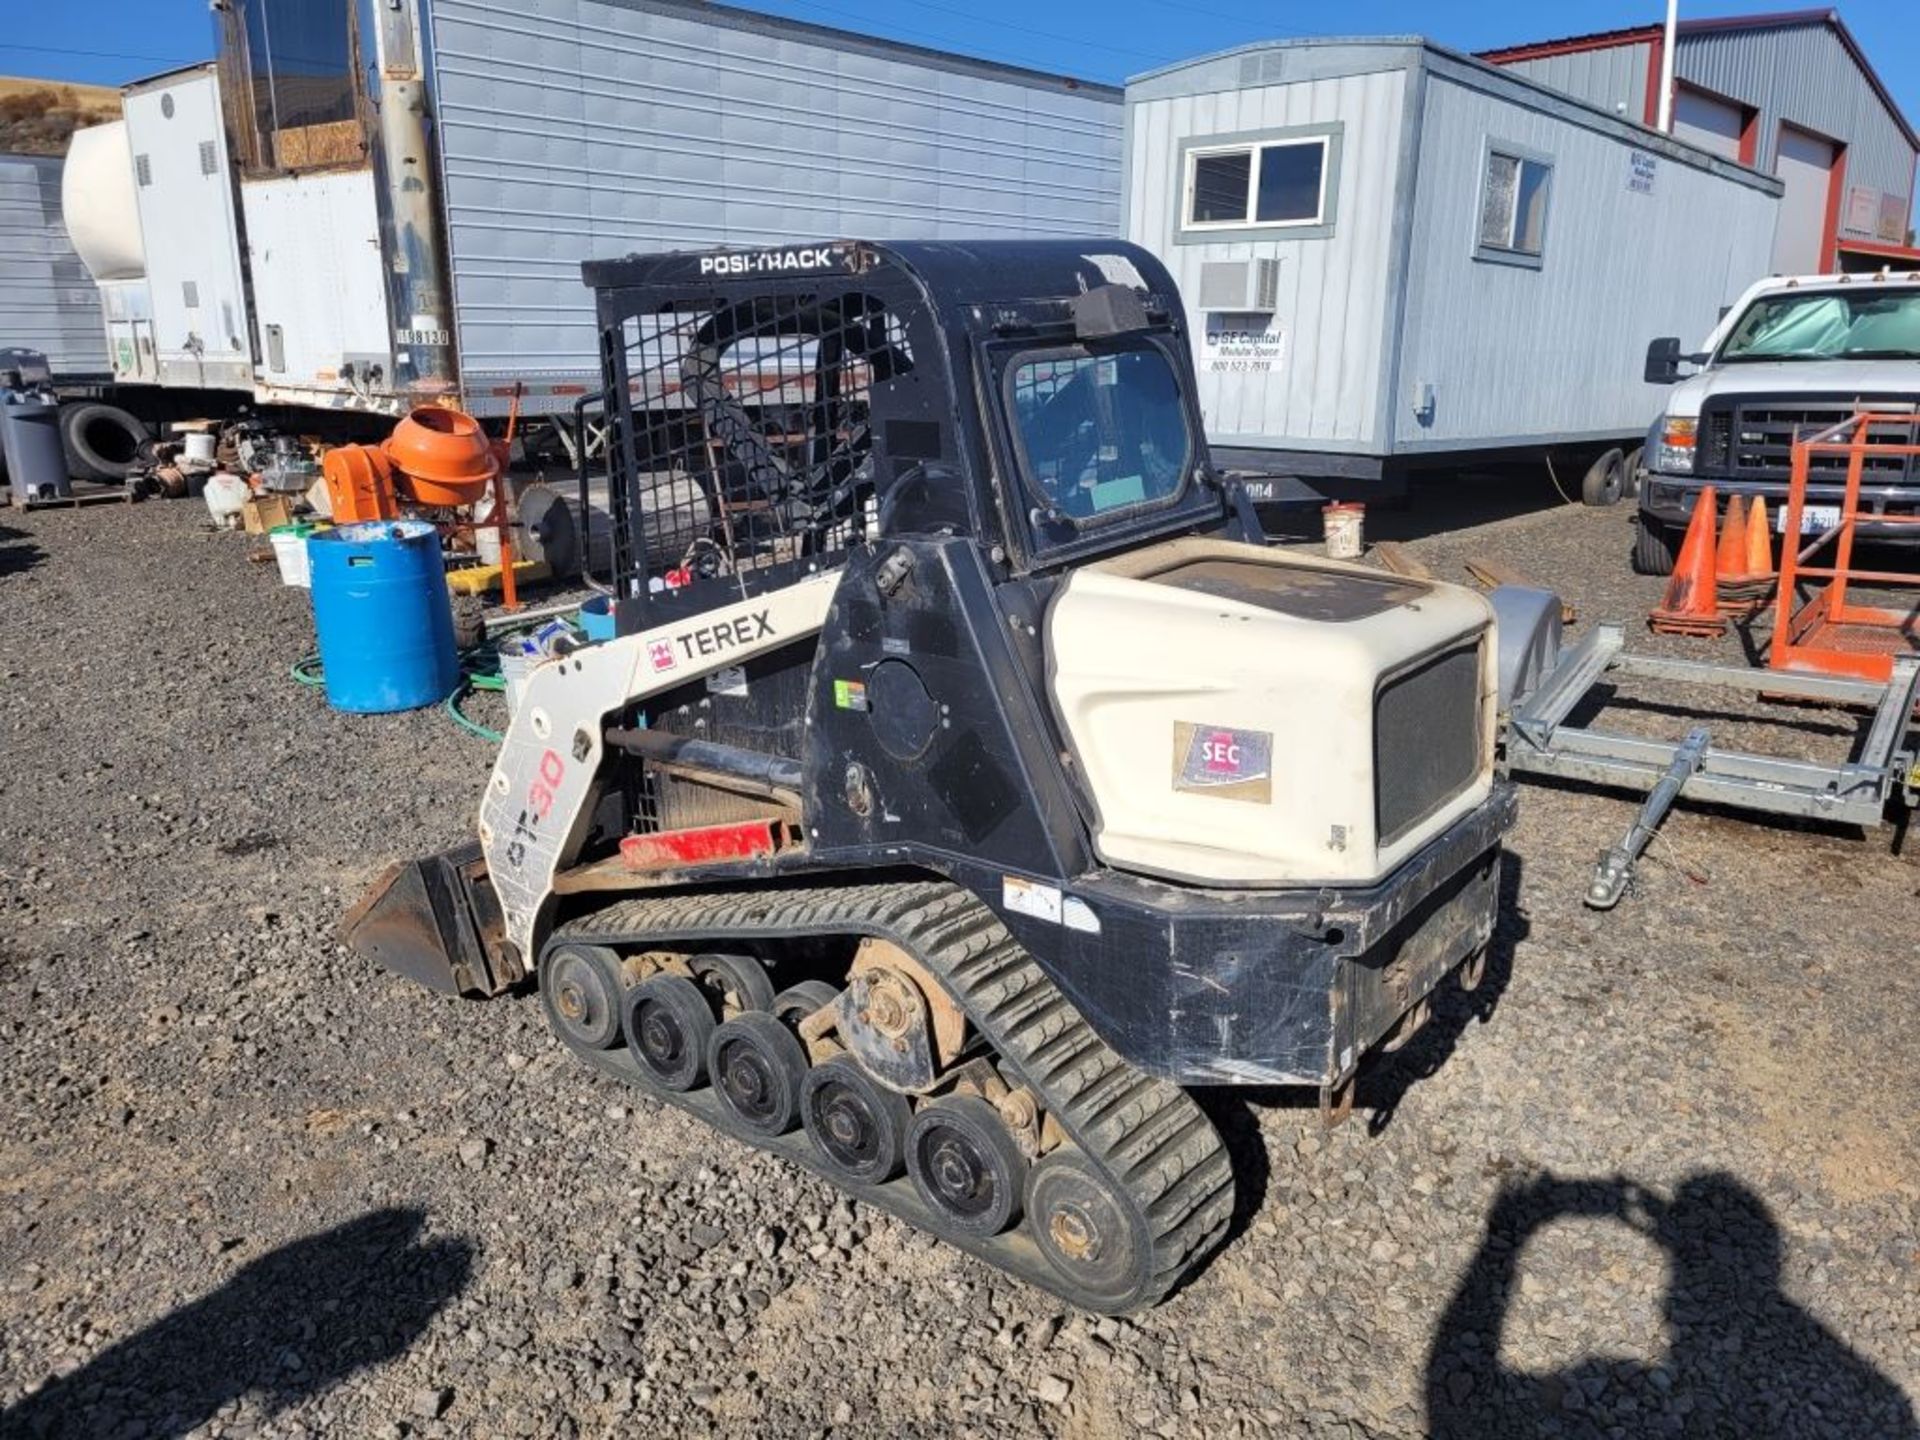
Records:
x=758, y=405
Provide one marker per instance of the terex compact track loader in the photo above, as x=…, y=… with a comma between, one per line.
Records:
x=966, y=777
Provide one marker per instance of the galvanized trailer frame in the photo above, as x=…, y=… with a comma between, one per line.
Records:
x=1885, y=774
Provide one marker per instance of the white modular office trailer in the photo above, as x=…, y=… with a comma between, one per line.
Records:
x=1392, y=253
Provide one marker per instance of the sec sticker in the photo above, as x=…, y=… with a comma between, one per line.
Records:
x=1223, y=762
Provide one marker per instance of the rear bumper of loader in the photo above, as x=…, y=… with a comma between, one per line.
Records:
x=1246, y=987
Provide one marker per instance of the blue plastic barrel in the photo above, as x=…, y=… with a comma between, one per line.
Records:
x=381, y=610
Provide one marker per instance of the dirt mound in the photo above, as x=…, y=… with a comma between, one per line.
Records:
x=37, y=116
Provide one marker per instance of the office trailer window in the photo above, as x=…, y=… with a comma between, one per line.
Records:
x=1513, y=207
x=1241, y=186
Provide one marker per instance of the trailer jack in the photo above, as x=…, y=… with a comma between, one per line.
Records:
x=1615, y=869
x=1882, y=777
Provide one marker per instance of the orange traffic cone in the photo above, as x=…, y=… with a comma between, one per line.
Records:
x=1744, y=571
x=1730, y=558
x=1690, y=606
x=1759, y=542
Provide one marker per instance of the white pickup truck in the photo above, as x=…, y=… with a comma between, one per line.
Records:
x=1795, y=355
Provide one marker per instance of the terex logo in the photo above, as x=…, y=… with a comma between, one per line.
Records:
x=726, y=635
x=770, y=262
x=660, y=654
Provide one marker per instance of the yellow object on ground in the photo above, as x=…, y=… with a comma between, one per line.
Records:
x=479, y=579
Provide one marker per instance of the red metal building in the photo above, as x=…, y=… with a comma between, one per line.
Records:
x=1790, y=93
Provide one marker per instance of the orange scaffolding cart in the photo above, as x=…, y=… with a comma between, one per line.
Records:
x=1827, y=632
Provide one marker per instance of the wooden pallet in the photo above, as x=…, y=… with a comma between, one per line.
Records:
x=1493, y=574
x=1401, y=561
x=83, y=494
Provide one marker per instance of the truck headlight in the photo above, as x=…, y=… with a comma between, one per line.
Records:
x=1676, y=450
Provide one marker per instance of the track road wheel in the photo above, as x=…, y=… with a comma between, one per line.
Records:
x=738, y=983
x=1096, y=1242
x=580, y=991
x=966, y=1166
x=796, y=1002
x=668, y=1023
x=856, y=1123
x=758, y=1067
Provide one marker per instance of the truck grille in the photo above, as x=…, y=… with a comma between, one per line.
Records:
x=1427, y=745
x=1754, y=441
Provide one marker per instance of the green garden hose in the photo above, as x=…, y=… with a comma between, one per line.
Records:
x=479, y=670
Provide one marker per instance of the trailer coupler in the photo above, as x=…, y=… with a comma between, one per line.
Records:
x=435, y=921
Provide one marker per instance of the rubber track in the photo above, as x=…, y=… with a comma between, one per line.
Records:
x=1146, y=1134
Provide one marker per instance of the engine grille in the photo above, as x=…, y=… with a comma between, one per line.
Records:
x=1427, y=744
x=1754, y=441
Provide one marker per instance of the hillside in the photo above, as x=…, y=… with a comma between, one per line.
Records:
x=36, y=116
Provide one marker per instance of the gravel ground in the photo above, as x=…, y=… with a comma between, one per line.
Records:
x=1660, y=1176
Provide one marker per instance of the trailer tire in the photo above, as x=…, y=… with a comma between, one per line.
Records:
x=1652, y=547
x=1606, y=480
x=1636, y=469
x=102, y=441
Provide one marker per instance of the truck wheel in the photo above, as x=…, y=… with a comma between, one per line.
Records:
x=1636, y=469
x=102, y=441
x=1652, y=547
x=1606, y=480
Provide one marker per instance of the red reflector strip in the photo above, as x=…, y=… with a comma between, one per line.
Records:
x=672, y=849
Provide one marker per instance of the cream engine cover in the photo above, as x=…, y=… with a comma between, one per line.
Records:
x=1221, y=704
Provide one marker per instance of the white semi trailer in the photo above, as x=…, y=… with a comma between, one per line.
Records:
x=358, y=208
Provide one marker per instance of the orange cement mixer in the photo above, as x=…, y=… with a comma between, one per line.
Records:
x=435, y=457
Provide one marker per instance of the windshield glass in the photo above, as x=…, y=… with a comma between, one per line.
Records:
x=1829, y=325
x=1099, y=434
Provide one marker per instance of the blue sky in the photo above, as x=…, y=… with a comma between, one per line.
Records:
x=110, y=41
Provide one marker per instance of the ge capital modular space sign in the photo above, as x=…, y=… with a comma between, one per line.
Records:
x=1242, y=342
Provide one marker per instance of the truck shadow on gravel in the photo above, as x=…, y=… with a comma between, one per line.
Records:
x=288, y=1326
x=1742, y=1359
x=1385, y=1079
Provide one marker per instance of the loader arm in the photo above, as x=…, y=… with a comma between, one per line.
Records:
x=541, y=795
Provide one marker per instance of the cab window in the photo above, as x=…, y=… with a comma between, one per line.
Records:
x=1099, y=435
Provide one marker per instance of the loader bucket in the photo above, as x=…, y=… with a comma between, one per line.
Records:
x=435, y=921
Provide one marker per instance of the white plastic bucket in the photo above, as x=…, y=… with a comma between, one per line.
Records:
x=290, y=554
x=200, y=446
x=1344, y=525
x=515, y=666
